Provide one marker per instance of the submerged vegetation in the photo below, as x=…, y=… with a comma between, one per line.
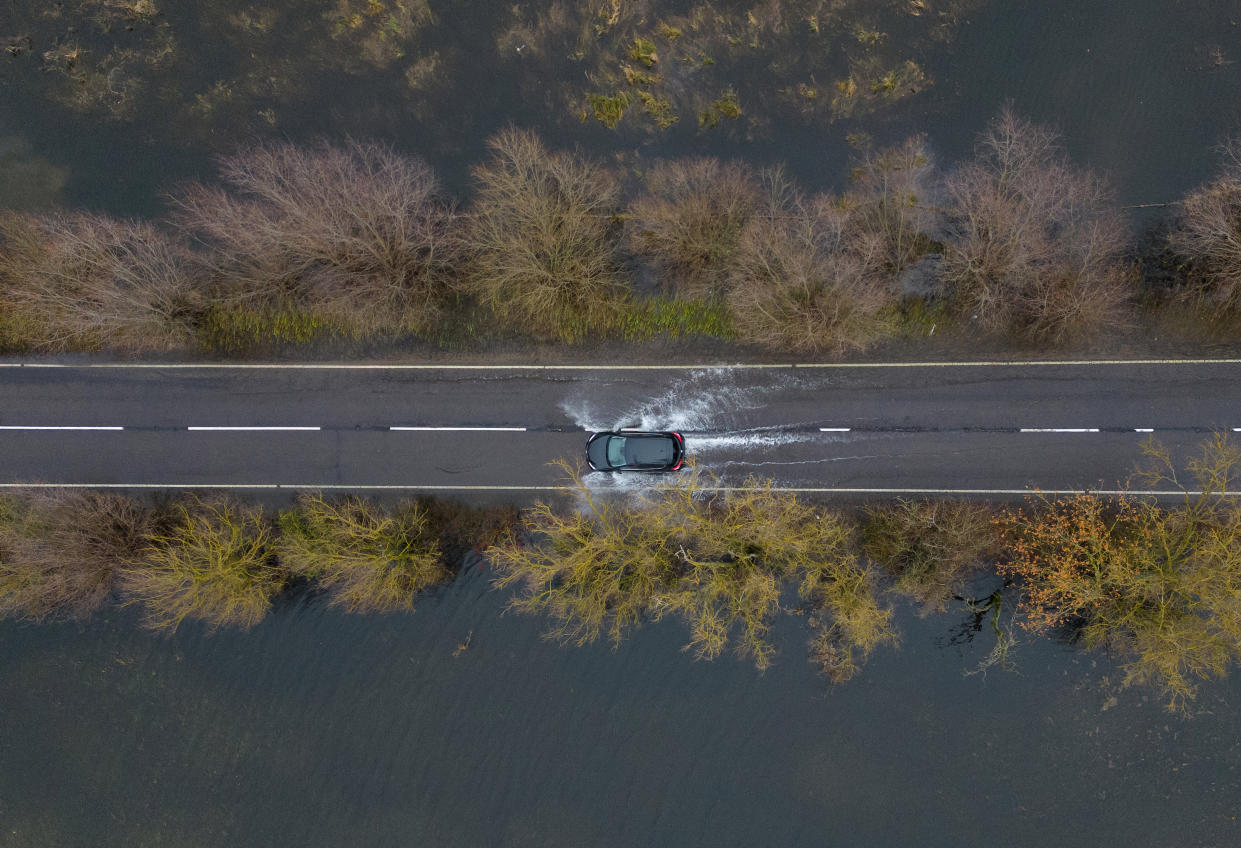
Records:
x=221, y=561
x=366, y=558
x=720, y=562
x=1155, y=586
x=640, y=66
x=1159, y=587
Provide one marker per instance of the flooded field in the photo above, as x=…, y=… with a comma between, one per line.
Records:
x=319, y=728
x=109, y=104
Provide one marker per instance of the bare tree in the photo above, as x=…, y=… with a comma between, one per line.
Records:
x=1208, y=233
x=892, y=188
x=84, y=281
x=1035, y=244
x=62, y=549
x=690, y=220
x=808, y=278
x=358, y=232
x=543, y=238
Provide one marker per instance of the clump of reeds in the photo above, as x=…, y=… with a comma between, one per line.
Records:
x=368, y=559
x=215, y=562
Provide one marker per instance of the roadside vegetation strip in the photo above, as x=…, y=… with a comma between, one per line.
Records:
x=1154, y=585
x=358, y=244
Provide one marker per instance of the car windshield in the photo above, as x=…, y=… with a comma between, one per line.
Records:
x=616, y=451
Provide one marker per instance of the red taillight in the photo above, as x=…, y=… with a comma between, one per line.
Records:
x=677, y=467
x=678, y=437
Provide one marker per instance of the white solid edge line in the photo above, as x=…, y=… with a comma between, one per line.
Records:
x=1059, y=429
x=311, y=429
x=471, y=429
x=834, y=429
x=53, y=427
x=295, y=366
x=482, y=488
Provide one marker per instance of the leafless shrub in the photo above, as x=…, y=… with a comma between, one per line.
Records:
x=61, y=549
x=892, y=188
x=83, y=281
x=1035, y=244
x=691, y=218
x=544, y=238
x=1208, y=234
x=806, y=277
x=358, y=232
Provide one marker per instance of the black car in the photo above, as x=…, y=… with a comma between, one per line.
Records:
x=632, y=450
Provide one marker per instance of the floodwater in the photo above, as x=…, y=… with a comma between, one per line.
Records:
x=323, y=729
x=318, y=728
x=1143, y=90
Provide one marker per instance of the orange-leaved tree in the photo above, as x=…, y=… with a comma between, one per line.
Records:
x=1160, y=586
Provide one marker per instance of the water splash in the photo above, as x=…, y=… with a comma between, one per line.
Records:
x=702, y=400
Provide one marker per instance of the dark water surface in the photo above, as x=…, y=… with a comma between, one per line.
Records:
x=1142, y=89
x=323, y=729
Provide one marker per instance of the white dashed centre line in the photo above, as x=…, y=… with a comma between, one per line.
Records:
x=463, y=429
x=53, y=427
x=834, y=429
x=1059, y=429
x=280, y=429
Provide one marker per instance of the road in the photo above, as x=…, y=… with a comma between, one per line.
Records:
x=985, y=428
